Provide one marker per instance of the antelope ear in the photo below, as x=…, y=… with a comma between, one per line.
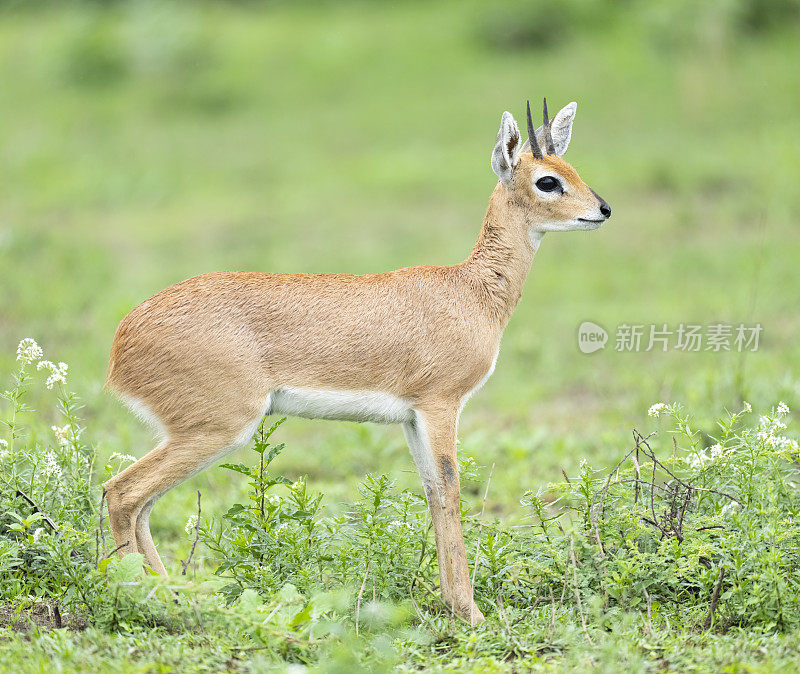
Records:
x=560, y=128
x=506, y=151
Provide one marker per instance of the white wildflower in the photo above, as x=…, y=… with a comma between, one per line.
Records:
x=783, y=410
x=748, y=407
x=122, y=457
x=28, y=351
x=699, y=460
x=191, y=523
x=58, y=373
x=4, y=444
x=768, y=430
x=63, y=434
x=273, y=499
x=3, y=449
x=780, y=443
x=398, y=524
x=51, y=466
x=716, y=451
x=657, y=409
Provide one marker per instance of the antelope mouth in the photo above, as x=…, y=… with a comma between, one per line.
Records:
x=590, y=220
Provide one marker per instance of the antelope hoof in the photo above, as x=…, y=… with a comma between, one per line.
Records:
x=468, y=611
x=473, y=616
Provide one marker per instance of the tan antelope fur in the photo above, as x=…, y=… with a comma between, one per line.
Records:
x=205, y=359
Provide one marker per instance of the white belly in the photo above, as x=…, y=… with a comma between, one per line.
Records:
x=381, y=408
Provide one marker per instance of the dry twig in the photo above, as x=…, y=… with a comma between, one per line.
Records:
x=714, y=598
x=117, y=549
x=37, y=509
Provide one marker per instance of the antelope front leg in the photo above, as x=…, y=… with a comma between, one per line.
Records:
x=431, y=438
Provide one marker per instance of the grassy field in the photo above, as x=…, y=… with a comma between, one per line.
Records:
x=143, y=143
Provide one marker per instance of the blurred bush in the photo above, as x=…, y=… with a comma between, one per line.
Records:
x=762, y=15
x=156, y=39
x=536, y=24
x=92, y=54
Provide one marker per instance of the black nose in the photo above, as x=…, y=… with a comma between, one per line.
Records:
x=605, y=209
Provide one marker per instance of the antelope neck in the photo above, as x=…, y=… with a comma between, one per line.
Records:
x=502, y=257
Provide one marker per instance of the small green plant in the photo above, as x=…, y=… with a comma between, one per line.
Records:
x=282, y=535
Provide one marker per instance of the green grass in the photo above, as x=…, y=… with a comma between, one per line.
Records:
x=145, y=143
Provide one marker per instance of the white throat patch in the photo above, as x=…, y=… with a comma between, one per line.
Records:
x=535, y=237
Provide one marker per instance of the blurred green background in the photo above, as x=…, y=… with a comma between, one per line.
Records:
x=146, y=142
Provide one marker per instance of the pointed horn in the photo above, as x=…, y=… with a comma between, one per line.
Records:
x=548, y=136
x=536, y=151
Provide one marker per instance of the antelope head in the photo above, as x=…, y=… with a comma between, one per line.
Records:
x=547, y=190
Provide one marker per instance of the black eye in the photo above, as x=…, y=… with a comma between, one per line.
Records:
x=548, y=184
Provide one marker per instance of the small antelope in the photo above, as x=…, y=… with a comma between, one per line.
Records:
x=206, y=359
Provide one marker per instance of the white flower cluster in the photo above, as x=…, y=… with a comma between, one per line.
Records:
x=398, y=524
x=705, y=457
x=3, y=449
x=63, y=435
x=28, y=351
x=769, y=431
x=699, y=460
x=51, y=467
x=273, y=499
x=657, y=410
x=122, y=457
x=191, y=523
x=58, y=373
x=730, y=506
x=769, y=425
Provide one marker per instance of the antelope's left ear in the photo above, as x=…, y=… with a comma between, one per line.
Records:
x=561, y=128
x=506, y=151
